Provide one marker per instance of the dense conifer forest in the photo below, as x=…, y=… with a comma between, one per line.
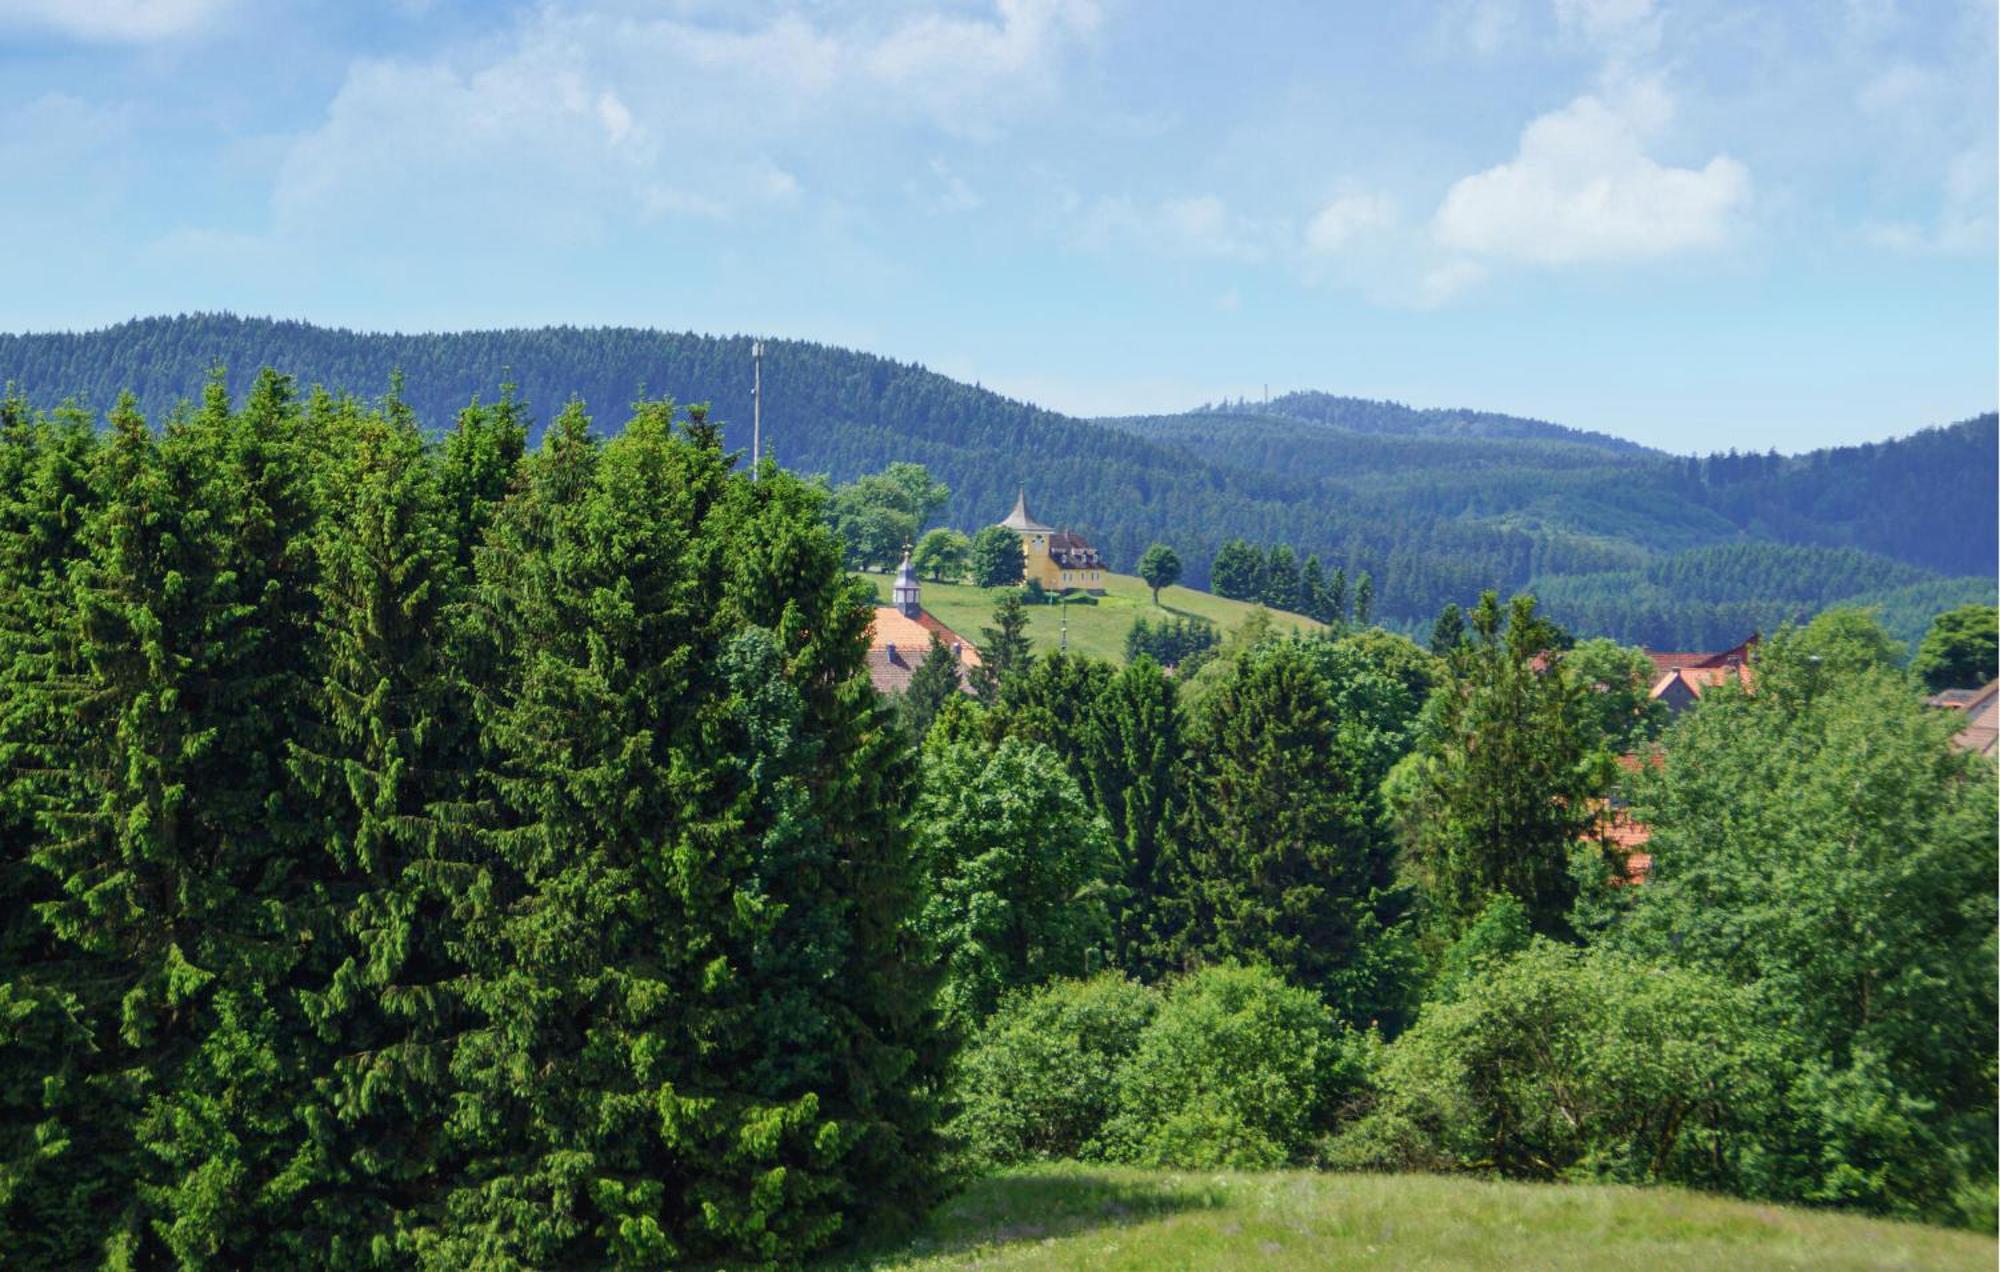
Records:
x=451, y=851
x=1434, y=505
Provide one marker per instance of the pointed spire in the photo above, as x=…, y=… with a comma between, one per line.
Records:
x=1021, y=518
x=908, y=597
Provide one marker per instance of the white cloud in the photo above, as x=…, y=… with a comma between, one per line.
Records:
x=1582, y=188
x=1625, y=26
x=1447, y=281
x=113, y=21
x=947, y=191
x=949, y=65
x=1186, y=225
x=582, y=116
x=1965, y=219
x=1341, y=223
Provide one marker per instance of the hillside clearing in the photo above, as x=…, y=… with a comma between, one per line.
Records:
x=1103, y=1217
x=1098, y=630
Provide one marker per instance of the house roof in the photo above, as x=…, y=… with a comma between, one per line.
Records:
x=1664, y=662
x=898, y=645
x=1022, y=519
x=1981, y=707
x=1700, y=679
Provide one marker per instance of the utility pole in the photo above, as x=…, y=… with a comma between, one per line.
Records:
x=756, y=406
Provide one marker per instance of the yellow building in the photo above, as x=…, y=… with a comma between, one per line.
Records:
x=1057, y=559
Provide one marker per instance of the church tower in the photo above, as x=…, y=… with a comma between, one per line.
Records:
x=905, y=594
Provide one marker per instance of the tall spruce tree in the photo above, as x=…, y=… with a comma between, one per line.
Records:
x=1132, y=761
x=1281, y=581
x=386, y=745
x=1280, y=855
x=52, y=1187
x=1004, y=648
x=699, y=1038
x=935, y=682
x=1504, y=782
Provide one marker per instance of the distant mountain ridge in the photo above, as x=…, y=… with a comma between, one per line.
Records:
x=1436, y=505
x=1367, y=415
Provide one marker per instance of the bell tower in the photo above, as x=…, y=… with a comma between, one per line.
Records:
x=906, y=596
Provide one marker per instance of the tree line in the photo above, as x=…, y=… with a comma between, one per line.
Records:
x=451, y=852
x=1435, y=506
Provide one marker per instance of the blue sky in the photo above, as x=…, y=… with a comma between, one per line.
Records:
x=1700, y=224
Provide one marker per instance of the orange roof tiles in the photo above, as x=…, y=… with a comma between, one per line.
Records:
x=899, y=644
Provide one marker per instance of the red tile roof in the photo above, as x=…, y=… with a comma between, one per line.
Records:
x=1981, y=708
x=898, y=645
x=1665, y=662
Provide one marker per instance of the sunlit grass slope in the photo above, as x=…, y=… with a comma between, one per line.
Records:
x=1098, y=630
x=1089, y=1217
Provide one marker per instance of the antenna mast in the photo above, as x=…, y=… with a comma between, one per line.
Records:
x=756, y=406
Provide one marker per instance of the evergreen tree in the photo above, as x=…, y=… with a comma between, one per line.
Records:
x=1505, y=780
x=1132, y=760
x=481, y=457
x=53, y=1186
x=387, y=749
x=1312, y=590
x=935, y=682
x=1281, y=581
x=1051, y=702
x=1281, y=856
x=1336, y=599
x=1364, y=599
x=1448, y=633
x=1004, y=648
x=1237, y=572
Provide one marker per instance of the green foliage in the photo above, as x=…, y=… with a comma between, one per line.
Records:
x=996, y=557
x=1016, y=858
x=1238, y=572
x=1558, y=1064
x=1822, y=841
x=1004, y=648
x=880, y=514
x=1281, y=858
x=1040, y=1078
x=1170, y=642
x=1500, y=788
x=943, y=555
x=1961, y=650
x=1282, y=586
x=1160, y=566
x=1436, y=505
x=936, y=681
x=1448, y=633
x=1616, y=683
x=1848, y=639
x=423, y=863
x=1236, y=1069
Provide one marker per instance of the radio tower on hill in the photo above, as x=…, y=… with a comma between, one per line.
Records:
x=756, y=405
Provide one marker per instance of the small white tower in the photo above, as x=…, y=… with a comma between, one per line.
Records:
x=905, y=594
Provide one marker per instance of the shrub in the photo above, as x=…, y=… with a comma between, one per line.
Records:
x=1237, y=1069
x=1040, y=1079
x=1562, y=1064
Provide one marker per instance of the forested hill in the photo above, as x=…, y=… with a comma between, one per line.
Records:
x=1435, y=505
x=1366, y=415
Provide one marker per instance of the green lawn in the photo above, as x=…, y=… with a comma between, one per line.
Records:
x=1090, y=1217
x=1098, y=630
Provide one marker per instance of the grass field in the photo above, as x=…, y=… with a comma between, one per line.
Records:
x=1089, y=1217
x=1098, y=630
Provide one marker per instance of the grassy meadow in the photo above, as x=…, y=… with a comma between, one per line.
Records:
x=1070, y=1216
x=1098, y=630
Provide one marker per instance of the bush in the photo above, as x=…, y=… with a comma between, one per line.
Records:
x=1562, y=1064
x=1040, y=1079
x=1237, y=1069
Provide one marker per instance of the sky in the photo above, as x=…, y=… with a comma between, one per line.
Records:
x=1700, y=225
